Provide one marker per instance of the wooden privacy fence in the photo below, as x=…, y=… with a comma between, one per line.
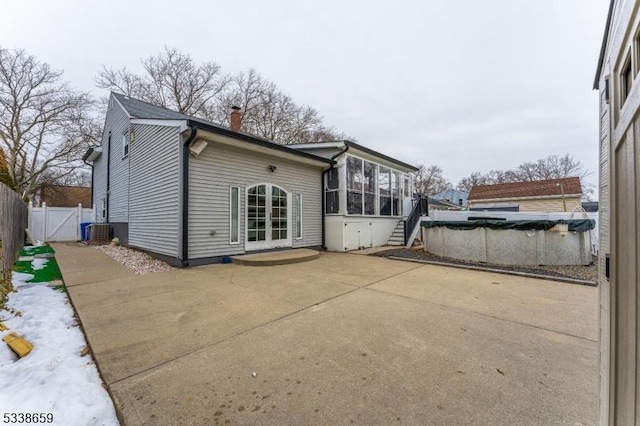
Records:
x=13, y=221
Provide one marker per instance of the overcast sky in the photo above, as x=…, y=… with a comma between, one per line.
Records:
x=467, y=85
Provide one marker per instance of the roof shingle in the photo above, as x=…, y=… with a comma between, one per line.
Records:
x=540, y=188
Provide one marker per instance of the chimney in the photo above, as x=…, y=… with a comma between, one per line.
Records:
x=236, y=118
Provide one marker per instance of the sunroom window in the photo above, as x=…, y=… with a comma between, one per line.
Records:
x=384, y=183
x=369, y=188
x=332, y=192
x=396, y=193
x=354, y=185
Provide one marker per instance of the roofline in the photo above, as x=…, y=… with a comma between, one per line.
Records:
x=89, y=152
x=603, y=47
x=317, y=145
x=346, y=142
x=126, y=111
x=257, y=141
x=378, y=154
x=524, y=197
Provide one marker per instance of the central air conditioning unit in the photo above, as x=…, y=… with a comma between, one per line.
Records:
x=99, y=233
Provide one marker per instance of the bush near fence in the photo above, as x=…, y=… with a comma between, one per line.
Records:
x=13, y=221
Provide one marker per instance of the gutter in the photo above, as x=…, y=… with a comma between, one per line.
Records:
x=323, y=194
x=185, y=197
x=90, y=165
x=108, y=177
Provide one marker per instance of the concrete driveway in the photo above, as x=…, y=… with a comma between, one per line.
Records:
x=344, y=339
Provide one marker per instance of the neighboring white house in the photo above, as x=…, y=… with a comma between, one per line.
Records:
x=618, y=82
x=192, y=192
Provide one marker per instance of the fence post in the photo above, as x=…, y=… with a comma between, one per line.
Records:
x=44, y=221
x=78, y=222
x=30, y=216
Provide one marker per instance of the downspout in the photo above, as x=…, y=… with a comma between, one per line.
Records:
x=185, y=196
x=324, y=195
x=108, y=176
x=90, y=165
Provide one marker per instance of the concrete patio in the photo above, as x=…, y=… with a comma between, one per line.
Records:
x=343, y=339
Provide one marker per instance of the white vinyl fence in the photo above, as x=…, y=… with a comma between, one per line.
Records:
x=58, y=223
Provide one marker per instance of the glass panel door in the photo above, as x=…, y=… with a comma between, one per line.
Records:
x=279, y=223
x=257, y=213
x=268, y=217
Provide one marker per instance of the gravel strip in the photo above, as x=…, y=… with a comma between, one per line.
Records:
x=587, y=273
x=140, y=263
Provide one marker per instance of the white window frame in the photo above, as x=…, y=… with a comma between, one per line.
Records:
x=125, y=144
x=298, y=221
x=231, y=214
x=339, y=171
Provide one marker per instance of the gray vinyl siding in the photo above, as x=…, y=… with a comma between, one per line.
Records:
x=603, y=250
x=219, y=167
x=100, y=181
x=154, y=198
x=117, y=122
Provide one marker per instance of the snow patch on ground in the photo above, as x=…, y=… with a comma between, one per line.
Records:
x=38, y=263
x=53, y=378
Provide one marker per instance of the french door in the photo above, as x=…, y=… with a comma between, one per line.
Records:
x=268, y=217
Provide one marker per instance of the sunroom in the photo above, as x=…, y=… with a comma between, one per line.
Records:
x=367, y=195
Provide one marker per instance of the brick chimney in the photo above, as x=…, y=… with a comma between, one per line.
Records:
x=236, y=118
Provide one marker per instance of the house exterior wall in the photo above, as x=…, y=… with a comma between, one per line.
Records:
x=604, y=250
x=550, y=205
x=217, y=169
x=619, y=228
x=538, y=204
x=117, y=122
x=154, y=191
x=345, y=233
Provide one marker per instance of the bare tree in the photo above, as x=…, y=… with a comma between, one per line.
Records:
x=43, y=121
x=271, y=114
x=475, y=178
x=174, y=80
x=430, y=180
x=5, y=177
x=171, y=79
x=550, y=167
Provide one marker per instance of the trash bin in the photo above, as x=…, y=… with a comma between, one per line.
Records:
x=84, y=230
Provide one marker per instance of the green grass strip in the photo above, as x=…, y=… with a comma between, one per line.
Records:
x=50, y=271
x=33, y=250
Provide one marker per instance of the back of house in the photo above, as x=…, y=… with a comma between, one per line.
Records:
x=192, y=192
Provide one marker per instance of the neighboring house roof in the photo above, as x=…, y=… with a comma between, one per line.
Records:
x=603, y=47
x=453, y=195
x=330, y=149
x=537, y=189
x=442, y=204
x=65, y=196
x=144, y=110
